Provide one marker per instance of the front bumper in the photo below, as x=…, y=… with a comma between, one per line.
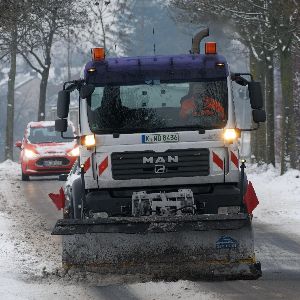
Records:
x=208, y=197
x=48, y=165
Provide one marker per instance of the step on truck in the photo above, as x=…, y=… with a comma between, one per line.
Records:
x=161, y=186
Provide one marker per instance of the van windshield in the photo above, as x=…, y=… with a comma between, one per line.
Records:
x=155, y=106
x=47, y=134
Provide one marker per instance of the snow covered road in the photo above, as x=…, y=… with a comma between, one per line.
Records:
x=30, y=256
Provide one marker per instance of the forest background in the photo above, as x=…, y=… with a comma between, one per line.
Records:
x=43, y=43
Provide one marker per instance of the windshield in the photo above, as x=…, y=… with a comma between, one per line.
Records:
x=156, y=106
x=40, y=135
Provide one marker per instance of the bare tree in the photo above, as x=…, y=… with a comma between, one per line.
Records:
x=109, y=24
x=269, y=29
x=15, y=17
x=52, y=19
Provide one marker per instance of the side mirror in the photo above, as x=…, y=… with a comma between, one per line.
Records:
x=63, y=103
x=255, y=94
x=259, y=116
x=61, y=125
x=86, y=91
x=63, y=177
x=18, y=144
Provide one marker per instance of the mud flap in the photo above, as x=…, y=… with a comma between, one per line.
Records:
x=193, y=247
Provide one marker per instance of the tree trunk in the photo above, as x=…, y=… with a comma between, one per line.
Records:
x=43, y=94
x=270, y=153
x=288, y=143
x=9, y=141
x=44, y=81
x=258, y=137
x=69, y=55
x=296, y=83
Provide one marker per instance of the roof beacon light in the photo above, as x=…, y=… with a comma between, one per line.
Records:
x=211, y=48
x=98, y=54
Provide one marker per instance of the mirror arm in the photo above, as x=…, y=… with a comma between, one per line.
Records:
x=251, y=129
x=74, y=84
x=240, y=74
x=69, y=137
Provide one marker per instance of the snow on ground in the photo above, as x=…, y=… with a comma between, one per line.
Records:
x=27, y=229
x=279, y=197
x=30, y=256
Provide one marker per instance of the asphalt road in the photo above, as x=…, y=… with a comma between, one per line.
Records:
x=278, y=252
x=36, y=192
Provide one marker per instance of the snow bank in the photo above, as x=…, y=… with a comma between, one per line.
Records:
x=9, y=165
x=279, y=196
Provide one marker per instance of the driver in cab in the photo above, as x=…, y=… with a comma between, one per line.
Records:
x=198, y=102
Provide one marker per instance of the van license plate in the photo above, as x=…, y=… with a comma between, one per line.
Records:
x=160, y=138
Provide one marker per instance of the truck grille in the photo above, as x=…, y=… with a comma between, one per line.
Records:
x=150, y=164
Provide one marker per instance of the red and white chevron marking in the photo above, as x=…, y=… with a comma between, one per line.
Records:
x=217, y=160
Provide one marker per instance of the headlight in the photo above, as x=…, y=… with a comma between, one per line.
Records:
x=88, y=140
x=74, y=152
x=230, y=135
x=30, y=154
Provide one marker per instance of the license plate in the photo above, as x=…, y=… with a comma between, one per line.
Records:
x=51, y=163
x=160, y=138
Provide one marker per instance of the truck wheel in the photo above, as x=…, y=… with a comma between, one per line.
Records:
x=25, y=177
x=76, y=198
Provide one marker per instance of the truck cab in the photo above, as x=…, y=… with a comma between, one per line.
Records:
x=159, y=124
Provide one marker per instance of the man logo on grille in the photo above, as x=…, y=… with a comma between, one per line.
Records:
x=160, y=159
x=159, y=169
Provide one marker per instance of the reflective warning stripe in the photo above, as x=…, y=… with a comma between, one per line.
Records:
x=234, y=159
x=87, y=164
x=218, y=161
x=103, y=166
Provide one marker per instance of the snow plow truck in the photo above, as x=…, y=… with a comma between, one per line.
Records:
x=162, y=188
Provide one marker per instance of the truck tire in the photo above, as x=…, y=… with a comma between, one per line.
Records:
x=76, y=198
x=25, y=177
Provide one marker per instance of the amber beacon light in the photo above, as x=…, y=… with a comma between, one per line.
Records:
x=211, y=48
x=98, y=54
